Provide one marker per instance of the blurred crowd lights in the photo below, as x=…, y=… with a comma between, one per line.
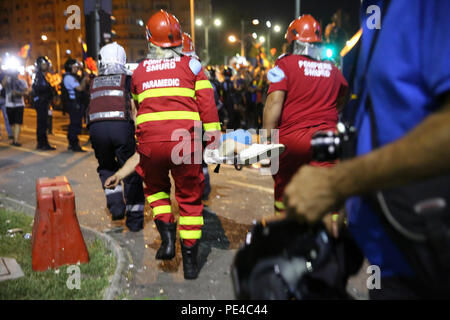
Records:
x=232, y=38
x=199, y=22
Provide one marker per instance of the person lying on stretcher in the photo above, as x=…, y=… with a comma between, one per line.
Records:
x=241, y=147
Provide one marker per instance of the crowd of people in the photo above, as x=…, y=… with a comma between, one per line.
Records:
x=241, y=92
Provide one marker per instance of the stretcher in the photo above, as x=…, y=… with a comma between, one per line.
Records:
x=237, y=148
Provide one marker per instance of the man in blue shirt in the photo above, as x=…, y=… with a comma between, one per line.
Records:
x=408, y=79
x=73, y=88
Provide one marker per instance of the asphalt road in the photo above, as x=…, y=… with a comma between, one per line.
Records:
x=237, y=199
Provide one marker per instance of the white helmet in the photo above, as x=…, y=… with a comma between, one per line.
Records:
x=112, y=59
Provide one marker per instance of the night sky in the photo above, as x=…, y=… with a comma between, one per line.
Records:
x=278, y=12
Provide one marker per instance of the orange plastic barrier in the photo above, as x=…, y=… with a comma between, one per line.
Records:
x=57, y=239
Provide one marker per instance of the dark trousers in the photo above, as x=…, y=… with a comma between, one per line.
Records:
x=74, y=109
x=42, y=114
x=207, y=189
x=114, y=144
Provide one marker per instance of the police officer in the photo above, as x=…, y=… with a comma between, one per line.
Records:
x=42, y=93
x=111, y=129
x=73, y=100
x=304, y=97
x=173, y=95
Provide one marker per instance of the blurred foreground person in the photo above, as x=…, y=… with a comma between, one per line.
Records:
x=111, y=128
x=396, y=188
x=172, y=95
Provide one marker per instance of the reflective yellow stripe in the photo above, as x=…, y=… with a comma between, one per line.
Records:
x=158, y=196
x=191, y=221
x=280, y=205
x=161, y=210
x=213, y=126
x=168, y=115
x=203, y=84
x=353, y=96
x=166, y=92
x=135, y=96
x=190, y=234
x=279, y=213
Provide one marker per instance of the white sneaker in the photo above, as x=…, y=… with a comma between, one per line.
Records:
x=257, y=152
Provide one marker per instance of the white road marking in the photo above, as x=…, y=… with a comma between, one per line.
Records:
x=251, y=186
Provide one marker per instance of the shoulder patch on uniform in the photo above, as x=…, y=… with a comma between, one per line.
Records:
x=282, y=56
x=275, y=75
x=195, y=66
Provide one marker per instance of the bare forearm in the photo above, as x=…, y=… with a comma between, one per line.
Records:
x=129, y=166
x=270, y=121
x=272, y=110
x=420, y=154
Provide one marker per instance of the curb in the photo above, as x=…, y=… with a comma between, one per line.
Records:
x=114, y=289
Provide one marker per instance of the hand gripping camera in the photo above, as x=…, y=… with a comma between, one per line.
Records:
x=333, y=145
x=285, y=260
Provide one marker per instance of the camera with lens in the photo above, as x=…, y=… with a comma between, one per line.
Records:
x=333, y=145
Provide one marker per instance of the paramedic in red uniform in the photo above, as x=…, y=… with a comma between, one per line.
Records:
x=303, y=98
x=172, y=95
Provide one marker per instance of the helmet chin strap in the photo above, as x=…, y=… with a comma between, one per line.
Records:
x=155, y=52
x=111, y=68
x=307, y=49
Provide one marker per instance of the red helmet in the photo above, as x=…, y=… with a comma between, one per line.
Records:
x=305, y=28
x=188, y=45
x=164, y=30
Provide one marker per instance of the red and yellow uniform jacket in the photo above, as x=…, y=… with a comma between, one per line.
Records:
x=172, y=94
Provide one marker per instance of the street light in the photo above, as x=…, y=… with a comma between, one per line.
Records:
x=58, y=59
x=254, y=35
x=198, y=22
x=277, y=28
x=255, y=22
x=268, y=24
x=207, y=24
x=262, y=39
x=232, y=38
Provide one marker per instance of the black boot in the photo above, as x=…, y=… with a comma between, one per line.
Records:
x=168, y=238
x=190, y=266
